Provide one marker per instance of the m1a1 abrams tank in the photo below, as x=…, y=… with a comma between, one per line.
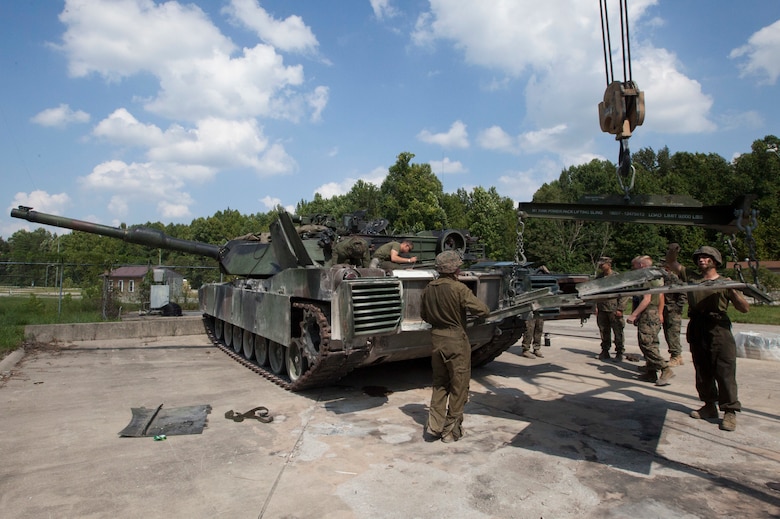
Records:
x=301, y=324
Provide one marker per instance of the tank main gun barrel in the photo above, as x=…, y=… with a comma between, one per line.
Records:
x=138, y=235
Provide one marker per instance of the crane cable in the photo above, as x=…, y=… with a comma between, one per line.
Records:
x=623, y=108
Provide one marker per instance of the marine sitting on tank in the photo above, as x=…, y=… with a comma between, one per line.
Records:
x=388, y=256
x=350, y=251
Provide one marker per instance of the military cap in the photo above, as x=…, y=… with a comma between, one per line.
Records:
x=448, y=262
x=712, y=252
x=605, y=259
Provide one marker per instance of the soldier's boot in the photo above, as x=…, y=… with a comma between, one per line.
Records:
x=528, y=355
x=648, y=376
x=729, y=422
x=618, y=356
x=604, y=355
x=430, y=435
x=676, y=360
x=538, y=353
x=708, y=410
x=666, y=376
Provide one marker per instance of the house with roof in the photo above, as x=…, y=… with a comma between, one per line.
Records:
x=125, y=282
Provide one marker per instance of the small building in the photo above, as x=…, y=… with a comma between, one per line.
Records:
x=125, y=282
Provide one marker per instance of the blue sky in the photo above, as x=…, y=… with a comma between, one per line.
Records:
x=134, y=110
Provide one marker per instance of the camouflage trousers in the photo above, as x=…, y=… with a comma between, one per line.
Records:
x=609, y=324
x=672, y=328
x=648, y=328
x=534, y=327
x=451, y=364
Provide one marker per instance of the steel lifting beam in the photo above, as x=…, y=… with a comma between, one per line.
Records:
x=654, y=210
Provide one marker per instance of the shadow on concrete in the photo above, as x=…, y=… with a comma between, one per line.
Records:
x=594, y=427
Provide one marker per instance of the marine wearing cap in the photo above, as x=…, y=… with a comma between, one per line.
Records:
x=712, y=252
x=448, y=262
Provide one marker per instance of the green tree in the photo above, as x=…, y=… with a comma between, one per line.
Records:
x=492, y=218
x=411, y=195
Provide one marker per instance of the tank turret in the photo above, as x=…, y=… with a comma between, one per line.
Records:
x=240, y=257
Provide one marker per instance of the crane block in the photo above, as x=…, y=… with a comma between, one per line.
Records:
x=623, y=103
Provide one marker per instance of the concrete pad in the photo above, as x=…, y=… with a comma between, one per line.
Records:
x=563, y=436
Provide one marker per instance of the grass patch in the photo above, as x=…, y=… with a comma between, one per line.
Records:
x=18, y=312
x=758, y=314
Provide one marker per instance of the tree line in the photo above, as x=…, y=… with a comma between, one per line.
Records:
x=412, y=199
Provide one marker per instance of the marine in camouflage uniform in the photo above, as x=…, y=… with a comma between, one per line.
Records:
x=674, y=304
x=352, y=251
x=672, y=325
x=534, y=328
x=609, y=317
x=713, y=347
x=445, y=304
x=647, y=318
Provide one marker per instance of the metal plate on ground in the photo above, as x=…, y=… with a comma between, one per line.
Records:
x=170, y=422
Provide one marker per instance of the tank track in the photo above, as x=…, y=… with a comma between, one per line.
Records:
x=511, y=331
x=330, y=365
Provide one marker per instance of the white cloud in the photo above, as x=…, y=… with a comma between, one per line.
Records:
x=751, y=120
x=289, y=35
x=376, y=176
x=675, y=102
x=213, y=144
x=189, y=57
x=545, y=139
x=446, y=166
x=521, y=185
x=383, y=9
x=140, y=184
x=272, y=203
x=60, y=117
x=561, y=60
x=456, y=137
x=761, y=54
x=317, y=101
x=495, y=138
x=120, y=127
x=42, y=201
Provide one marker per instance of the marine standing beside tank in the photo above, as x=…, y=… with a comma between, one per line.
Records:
x=388, y=256
x=647, y=316
x=712, y=343
x=609, y=316
x=445, y=304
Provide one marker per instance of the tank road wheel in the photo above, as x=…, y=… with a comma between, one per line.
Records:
x=261, y=350
x=228, y=333
x=296, y=362
x=276, y=356
x=248, y=342
x=237, y=336
x=218, y=329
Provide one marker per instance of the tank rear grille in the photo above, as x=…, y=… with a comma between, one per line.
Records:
x=376, y=307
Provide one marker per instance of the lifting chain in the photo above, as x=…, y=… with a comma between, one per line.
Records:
x=752, y=259
x=520, y=247
x=520, y=258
